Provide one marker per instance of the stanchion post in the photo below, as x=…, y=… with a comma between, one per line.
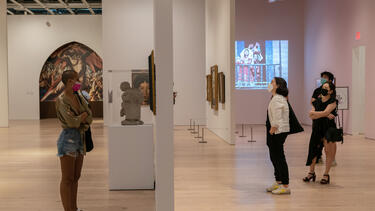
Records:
x=198, y=133
x=194, y=132
x=193, y=128
x=251, y=135
x=243, y=135
x=202, y=141
x=190, y=128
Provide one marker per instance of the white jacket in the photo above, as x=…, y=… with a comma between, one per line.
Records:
x=278, y=114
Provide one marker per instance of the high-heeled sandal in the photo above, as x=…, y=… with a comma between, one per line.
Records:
x=311, y=176
x=325, y=181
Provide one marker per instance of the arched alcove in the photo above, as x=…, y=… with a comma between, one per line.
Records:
x=85, y=62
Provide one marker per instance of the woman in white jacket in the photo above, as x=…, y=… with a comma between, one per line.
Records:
x=277, y=131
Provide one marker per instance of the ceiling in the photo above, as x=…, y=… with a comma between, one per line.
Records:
x=54, y=7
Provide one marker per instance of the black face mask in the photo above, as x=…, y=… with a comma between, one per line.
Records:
x=324, y=92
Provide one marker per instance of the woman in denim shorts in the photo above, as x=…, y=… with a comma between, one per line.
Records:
x=75, y=117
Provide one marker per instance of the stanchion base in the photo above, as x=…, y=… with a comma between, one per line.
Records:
x=190, y=129
x=198, y=137
x=251, y=141
x=194, y=132
x=242, y=136
x=203, y=142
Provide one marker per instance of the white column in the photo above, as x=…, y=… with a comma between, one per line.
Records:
x=4, y=121
x=358, y=97
x=163, y=41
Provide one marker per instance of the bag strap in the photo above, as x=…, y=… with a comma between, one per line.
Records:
x=338, y=118
x=80, y=96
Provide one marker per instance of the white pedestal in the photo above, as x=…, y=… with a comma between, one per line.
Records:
x=131, y=157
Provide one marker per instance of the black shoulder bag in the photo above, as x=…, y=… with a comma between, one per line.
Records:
x=88, y=140
x=295, y=126
x=88, y=136
x=334, y=133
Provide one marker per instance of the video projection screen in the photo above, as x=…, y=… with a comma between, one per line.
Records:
x=258, y=62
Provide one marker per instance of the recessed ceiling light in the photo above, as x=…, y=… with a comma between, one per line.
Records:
x=272, y=1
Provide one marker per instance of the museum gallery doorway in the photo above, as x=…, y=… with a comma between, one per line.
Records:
x=80, y=58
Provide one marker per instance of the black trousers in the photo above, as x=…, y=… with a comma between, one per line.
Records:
x=275, y=144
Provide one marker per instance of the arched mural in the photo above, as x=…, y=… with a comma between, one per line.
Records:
x=74, y=56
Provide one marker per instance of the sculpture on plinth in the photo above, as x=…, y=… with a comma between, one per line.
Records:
x=132, y=99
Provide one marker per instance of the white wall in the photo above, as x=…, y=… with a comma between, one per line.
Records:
x=127, y=43
x=4, y=114
x=30, y=43
x=189, y=61
x=277, y=21
x=131, y=53
x=220, y=51
x=127, y=34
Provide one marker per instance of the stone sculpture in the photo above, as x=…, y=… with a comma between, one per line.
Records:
x=132, y=99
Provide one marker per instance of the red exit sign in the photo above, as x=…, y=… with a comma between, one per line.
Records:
x=358, y=36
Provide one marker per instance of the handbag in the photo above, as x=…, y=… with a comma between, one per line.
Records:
x=295, y=126
x=88, y=140
x=88, y=136
x=336, y=134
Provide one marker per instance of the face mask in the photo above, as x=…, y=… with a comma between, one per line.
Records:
x=270, y=88
x=324, y=92
x=76, y=87
x=323, y=81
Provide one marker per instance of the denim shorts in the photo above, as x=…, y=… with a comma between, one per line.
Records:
x=69, y=143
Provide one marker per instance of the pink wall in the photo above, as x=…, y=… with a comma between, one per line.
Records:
x=330, y=28
x=260, y=20
x=370, y=69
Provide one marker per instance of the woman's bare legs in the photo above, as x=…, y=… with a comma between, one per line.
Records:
x=331, y=151
x=334, y=152
x=67, y=178
x=312, y=166
x=70, y=174
x=311, y=174
x=77, y=175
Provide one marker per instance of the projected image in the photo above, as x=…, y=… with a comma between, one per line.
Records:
x=258, y=62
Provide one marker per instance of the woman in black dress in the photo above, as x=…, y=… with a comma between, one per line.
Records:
x=323, y=115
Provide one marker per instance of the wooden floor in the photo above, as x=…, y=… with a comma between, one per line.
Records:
x=208, y=177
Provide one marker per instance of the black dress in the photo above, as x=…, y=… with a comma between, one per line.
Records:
x=322, y=128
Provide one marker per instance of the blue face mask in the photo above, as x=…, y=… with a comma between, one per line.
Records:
x=323, y=81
